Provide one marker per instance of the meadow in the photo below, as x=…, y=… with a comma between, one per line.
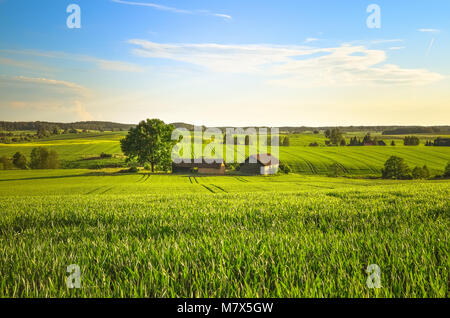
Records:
x=81, y=151
x=144, y=235
x=157, y=235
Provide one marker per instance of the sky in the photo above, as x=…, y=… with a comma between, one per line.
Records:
x=226, y=62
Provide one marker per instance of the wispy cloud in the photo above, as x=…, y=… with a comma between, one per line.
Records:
x=65, y=85
x=309, y=40
x=429, y=30
x=44, y=95
x=430, y=46
x=108, y=65
x=292, y=65
x=172, y=9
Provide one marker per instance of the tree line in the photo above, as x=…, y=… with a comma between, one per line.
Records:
x=40, y=158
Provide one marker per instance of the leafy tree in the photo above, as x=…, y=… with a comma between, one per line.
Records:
x=417, y=173
x=42, y=158
x=411, y=141
x=43, y=132
x=149, y=142
x=6, y=163
x=327, y=133
x=343, y=143
x=447, y=171
x=335, y=136
x=395, y=168
x=286, y=142
x=285, y=168
x=393, y=143
x=19, y=160
x=426, y=172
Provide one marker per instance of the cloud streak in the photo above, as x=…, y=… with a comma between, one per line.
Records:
x=292, y=65
x=172, y=9
x=107, y=65
x=429, y=30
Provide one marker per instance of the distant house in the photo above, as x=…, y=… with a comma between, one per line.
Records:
x=201, y=168
x=262, y=164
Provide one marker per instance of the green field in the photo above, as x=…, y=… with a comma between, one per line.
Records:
x=75, y=150
x=158, y=235
x=148, y=235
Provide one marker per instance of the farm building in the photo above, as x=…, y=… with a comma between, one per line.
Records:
x=201, y=168
x=263, y=164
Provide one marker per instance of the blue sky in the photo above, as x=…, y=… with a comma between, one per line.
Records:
x=246, y=62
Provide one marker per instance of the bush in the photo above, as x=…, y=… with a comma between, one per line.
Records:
x=148, y=166
x=285, y=168
x=314, y=144
x=447, y=171
x=19, y=160
x=6, y=163
x=105, y=155
x=395, y=168
x=42, y=158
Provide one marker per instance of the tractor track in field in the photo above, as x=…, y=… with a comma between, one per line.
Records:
x=208, y=188
x=241, y=179
x=107, y=190
x=220, y=188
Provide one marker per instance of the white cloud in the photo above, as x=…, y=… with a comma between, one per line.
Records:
x=172, y=9
x=43, y=96
x=108, y=65
x=292, y=65
x=309, y=40
x=396, y=48
x=429, y=30
x=64, y=85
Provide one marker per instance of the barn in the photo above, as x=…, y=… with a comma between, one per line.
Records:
x=200, y=168
x=262, y=164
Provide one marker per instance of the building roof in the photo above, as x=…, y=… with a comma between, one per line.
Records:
x=265, y=159
x=203, y=164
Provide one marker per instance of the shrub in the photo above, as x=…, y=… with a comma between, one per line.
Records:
x=148, y=166
x=105, y=155
x=447, y=171
x=19, y=160
x=6, y=163
x=395, y=168
x=285, y=168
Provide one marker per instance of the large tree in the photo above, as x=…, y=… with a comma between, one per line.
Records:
x=149, y=142
x=42, y=158
x=395, y=168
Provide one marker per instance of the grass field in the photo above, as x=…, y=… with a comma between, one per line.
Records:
x=171, y=236
x=359, y=161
